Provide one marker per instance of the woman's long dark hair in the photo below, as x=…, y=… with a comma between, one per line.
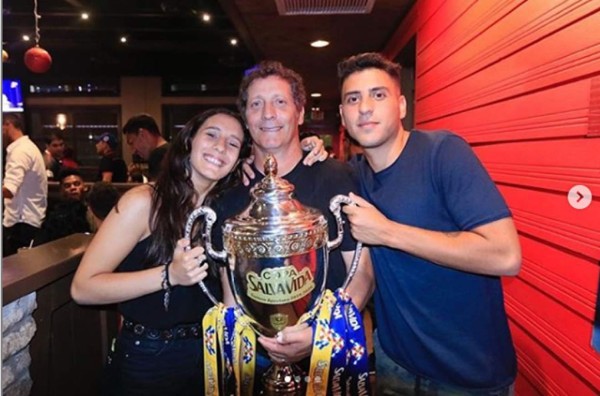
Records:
x=174, y=197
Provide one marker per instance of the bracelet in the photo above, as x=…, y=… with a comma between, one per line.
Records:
x=166, y=285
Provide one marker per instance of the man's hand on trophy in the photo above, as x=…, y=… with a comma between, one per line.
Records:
x=291, y=345
x=367, y=224
x=189, y=266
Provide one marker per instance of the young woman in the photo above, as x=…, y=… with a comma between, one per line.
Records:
x=140, y=260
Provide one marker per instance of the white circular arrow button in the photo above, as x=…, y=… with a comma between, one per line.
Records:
x=580, y=197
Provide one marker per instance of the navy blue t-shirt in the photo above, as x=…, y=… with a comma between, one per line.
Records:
x=437, y=322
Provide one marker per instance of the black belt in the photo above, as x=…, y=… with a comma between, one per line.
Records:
x=193, y=330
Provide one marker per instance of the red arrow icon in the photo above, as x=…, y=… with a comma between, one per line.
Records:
x=580, y=196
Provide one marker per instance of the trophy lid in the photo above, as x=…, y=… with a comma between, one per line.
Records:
x=274, y=224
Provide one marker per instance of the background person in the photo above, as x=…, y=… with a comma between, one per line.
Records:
x=53, y=154
x=440, y=236
x=145, y=140
x=111, y=168
x=68, y=215
x=71, y=185
x=24, y=186
x=69, y=160
x=101, y=199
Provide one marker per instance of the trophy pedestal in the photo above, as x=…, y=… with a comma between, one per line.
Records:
x=283, y=379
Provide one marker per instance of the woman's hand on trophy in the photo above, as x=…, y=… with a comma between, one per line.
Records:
x=291, y=344
x=189, y=266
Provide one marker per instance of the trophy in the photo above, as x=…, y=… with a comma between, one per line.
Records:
x=277, y=252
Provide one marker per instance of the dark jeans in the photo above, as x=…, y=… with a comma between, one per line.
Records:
x=18, y=236
x=393, y=379
x=138, y=366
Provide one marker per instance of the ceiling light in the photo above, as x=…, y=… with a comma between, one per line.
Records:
x=61, y=121
x=315, y=95
x=123, y=39
x=85, y=16
x=319, y=43
x=26, y=37
x=206, y=17
x=233, y=41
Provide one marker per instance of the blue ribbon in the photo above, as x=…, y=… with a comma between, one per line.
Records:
x=227, y=349
x=349, y=372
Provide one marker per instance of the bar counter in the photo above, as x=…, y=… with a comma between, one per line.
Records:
x=32, y=269
x=50, y=344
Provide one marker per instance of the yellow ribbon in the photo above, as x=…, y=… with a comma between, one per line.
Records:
x=244, y=355
x=212, y=328
x=320, y=361
x=244, y=349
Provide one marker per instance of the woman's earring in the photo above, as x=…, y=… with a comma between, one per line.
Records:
x=187, y=172
x=187, y=167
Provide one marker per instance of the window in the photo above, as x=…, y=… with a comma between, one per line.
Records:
x=79, y=125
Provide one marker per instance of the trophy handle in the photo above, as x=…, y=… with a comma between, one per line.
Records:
x=336, y=208
x=211, y=217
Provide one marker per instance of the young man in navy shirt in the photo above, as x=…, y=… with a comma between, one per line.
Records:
x=440, y=237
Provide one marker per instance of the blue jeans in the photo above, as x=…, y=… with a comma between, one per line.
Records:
x=393, y=379
x=138, y=366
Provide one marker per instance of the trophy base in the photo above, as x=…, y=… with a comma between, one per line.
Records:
x=283, y=379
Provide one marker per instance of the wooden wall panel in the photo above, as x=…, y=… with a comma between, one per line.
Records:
x=555, y=165
x=557, y=331
x=549, y=217
x=442, y=40
x=520, y=81
x=568, y=279
x=490, y=32
x=541, y=373
x=558, y=112
x=567, y=55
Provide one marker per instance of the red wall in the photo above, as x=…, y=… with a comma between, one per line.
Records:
x=520, y=80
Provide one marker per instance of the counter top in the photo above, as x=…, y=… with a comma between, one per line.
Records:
x=31, y=269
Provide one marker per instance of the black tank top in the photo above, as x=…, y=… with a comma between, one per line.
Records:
x=188, y=303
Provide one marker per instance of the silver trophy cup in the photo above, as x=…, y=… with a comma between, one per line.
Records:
x=277, y=252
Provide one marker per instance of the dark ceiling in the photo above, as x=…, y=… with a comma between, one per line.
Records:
x=168, y=38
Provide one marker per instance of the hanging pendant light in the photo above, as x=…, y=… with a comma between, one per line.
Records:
x=37, y=59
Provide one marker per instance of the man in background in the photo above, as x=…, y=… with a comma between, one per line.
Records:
x=145, y=140
x=67, y=215
x=71, y=184
x=24, y=187
x=101, y=198
x=53, y=154
x=112, y=168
